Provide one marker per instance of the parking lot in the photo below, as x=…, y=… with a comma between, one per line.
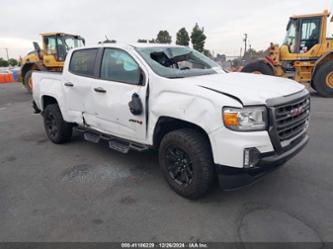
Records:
x=86, y=192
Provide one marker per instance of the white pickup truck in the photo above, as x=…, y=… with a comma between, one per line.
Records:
x=206, y=124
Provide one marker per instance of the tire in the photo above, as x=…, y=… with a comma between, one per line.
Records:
x=259, y=67
x=191, y=150
x=323, y=80
x=57, y=130
x=27, y=81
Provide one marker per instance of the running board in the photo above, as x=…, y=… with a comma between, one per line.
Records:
x=91, y=137
x=118, y=144
x=122, y=147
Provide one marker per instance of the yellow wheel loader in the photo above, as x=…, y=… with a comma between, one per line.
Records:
x=306, y=54
x=51, y=57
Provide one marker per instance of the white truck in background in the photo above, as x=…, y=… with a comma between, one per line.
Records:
x=206, y=124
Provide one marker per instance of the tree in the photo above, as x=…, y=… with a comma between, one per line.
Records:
x=163, y=37
x=152, y=40
x=251, y=54
x=142, y=41
x=13, y=62
x=208, y=53
x=221, y=57
x=107, y=41
x=236, y=62
x=183, y=37
x=3, y=63
x=198, y=38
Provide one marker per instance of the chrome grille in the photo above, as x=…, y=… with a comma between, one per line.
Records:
x=291, y=119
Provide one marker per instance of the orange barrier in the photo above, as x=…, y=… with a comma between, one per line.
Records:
x=6, y=78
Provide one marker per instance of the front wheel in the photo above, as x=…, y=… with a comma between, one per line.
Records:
x=187, y=164
x=323, y=80
x=258, y=67
x=27, y=81
x=57, y=130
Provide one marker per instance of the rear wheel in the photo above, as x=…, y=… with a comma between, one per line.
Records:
x=323, y=80
x=27, y=81
x=57, y=130
x=258, y=67
x=186, y=162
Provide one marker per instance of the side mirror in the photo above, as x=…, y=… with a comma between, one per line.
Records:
x=135, y=105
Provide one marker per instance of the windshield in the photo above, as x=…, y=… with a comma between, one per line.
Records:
x=290, y=39
x=73, y=42
x=178, y=62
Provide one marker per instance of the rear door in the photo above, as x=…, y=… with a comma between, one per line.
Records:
x=121, y=82
x=77, y=82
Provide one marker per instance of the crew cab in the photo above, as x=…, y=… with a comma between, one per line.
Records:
x=206, y=124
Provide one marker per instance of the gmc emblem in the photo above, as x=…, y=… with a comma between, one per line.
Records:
x=296, y=111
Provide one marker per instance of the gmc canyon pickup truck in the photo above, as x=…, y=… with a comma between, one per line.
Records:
x=205, y=123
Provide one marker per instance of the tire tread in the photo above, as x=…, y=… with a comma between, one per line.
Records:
x=199, y=145
x=319, y=80
x=65, y=129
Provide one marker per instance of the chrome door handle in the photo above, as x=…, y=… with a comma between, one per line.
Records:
x=99, y=90
x=69, y=84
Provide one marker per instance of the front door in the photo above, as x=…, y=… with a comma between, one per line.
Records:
x=121, y=81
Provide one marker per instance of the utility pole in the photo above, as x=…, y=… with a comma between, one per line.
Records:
x=7, y=54
x=245, y=43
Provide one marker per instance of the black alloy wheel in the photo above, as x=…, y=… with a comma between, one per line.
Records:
x=179, y=165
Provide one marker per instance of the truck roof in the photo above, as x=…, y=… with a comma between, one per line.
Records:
x=126, y=45
x=324, y=13
x=56, y=33
x=148, y=45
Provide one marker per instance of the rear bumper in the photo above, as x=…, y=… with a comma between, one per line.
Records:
x=231, y=178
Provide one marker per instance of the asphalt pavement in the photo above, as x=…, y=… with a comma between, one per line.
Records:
x=86, y=192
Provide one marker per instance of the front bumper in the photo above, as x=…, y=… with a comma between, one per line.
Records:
x=231, y=178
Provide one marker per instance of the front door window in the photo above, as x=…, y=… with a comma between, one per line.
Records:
x=118, y=65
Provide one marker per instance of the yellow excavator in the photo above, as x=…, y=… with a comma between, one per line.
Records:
x=51, y=57
x=306, y=54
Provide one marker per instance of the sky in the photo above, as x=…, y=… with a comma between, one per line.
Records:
x=224, y=21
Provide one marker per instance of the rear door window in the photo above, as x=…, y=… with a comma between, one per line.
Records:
x=83, y=62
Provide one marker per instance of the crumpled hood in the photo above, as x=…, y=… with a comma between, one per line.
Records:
x=250, y=89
